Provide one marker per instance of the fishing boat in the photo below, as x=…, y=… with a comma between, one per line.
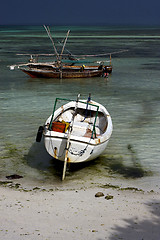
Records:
x=77, y=131
x=66, y=65
x=65, y=71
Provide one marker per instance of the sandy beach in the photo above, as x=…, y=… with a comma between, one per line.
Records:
x=38, y=213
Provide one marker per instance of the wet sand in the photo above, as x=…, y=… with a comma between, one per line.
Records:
x=61, y=213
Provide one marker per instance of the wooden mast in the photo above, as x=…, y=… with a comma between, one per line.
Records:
x=64, y=44
x=59, y=57
x=49, y=35
x=62, y=53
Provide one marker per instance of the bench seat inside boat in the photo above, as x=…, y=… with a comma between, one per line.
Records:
x=83, y=129
x=79, y=128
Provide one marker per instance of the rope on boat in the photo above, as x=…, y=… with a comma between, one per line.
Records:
x=81, y=152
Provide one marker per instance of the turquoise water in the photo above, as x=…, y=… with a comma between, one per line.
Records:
x=130, y=94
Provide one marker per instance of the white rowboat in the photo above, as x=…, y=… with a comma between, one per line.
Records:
x=78, y=131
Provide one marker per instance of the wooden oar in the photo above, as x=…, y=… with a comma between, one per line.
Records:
x=68, y=138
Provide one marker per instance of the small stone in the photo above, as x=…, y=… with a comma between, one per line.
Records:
x=99, y=194
x=108, y=197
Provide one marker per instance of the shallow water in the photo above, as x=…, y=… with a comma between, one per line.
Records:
x=130, y=94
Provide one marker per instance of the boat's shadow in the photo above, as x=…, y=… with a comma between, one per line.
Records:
x=39, y=159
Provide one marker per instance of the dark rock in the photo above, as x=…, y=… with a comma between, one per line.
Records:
x=99, y=194
x=14, y=176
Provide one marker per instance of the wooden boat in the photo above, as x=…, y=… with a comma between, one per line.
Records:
x=66, y=71
x=62, y=68
x=76, y=132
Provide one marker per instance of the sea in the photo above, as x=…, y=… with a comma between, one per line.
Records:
x=131, y=94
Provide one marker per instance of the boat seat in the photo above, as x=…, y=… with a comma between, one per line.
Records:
x=79, y=128
x=83, y=129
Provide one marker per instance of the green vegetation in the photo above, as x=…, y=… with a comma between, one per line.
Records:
x=122, y=189
x=5, y=183
x=11, y=150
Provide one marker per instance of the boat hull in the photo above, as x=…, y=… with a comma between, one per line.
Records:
x=37, y=73
x=79, y=150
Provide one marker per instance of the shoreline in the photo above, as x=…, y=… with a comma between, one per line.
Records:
x=63, y=213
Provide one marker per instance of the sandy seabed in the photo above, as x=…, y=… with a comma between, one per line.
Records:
x=40, y=214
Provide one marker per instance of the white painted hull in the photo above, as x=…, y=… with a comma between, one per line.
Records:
x=79, y=151
x=81, y=148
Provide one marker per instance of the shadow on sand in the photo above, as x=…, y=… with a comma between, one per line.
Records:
x=146, y=229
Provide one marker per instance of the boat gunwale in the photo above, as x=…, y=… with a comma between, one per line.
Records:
x=90, y=141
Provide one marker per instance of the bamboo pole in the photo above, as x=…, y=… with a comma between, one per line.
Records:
x=60, y=58
x=49, y=35
x=64, y=44
x=89, y=55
